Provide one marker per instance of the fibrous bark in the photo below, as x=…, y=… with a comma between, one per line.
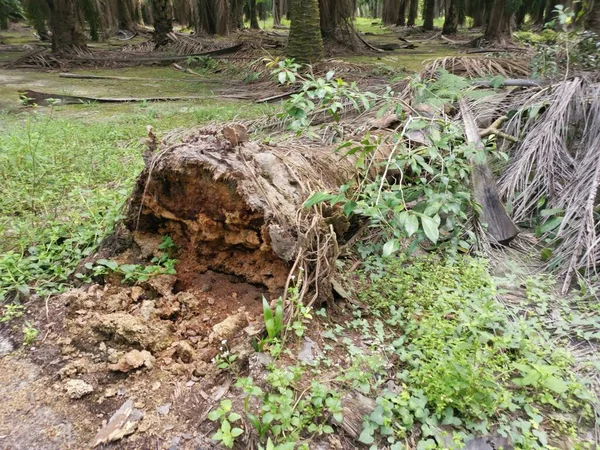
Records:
x=163, y=21
x=305, y=43
x=66, y=32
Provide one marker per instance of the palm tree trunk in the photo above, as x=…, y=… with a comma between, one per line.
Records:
x=451, y=20
x=163, y=21
x=428, y=14
x=402, y=14
x=305, y=43
x=253, y=15
x=592, y=21
x=66, y=33
x=413, y=12
x=498, y=27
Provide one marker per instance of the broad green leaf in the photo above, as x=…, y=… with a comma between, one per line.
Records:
x=390, y=247
x=551, y=224
x=411, y=226
x=556, y=384
x=430, y=228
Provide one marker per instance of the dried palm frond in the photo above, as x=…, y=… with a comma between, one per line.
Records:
x=543, y=160
x=557, y=166
x=477, y=67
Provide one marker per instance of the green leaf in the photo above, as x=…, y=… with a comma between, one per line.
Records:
x=226, y=405
x=390, y=247
x=430, y=228
x=556, y=384
x=233, y=417
x=551, y=224
x=366, y=437
x=214, y=415
x=225, y=427
x=317, y=197
x=282, y=77
x=411, y=225
x=236, y=432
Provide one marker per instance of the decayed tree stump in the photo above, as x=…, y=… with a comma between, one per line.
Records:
x=235, y=206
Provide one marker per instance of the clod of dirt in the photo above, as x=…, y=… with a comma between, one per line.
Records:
x=167, y=307
x=78, y=388
x=122, y=423
x=147, y=242
x=184, y=351
x=136, y=293
x=163, y=284
x=133, y=360
x=227, y=329
x=132, y=330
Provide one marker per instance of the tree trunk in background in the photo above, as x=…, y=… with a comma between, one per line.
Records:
x=276, y=12
x=520, y=15
x=413, y=12
x=262, y=11
x=66, y=32
x=125, y=11
x=451, y=20
x=402, y=13
x=336, y=20
x=253, y=15
x=163, y=21
x=592, y=20
x=462, y=16
x=549, y=14
x=305, y=43
x=428, y=14
x=389, y=13
x=498, y=27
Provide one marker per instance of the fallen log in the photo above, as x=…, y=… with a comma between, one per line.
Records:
x=81, y=76
x=236, y=207
x=500, y=226
x=42, y=98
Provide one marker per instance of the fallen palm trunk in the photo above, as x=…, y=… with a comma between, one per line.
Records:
x=500, y=226
x=235, y=207
x=43, y=98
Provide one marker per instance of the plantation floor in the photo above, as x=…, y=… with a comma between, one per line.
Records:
x=65, y=172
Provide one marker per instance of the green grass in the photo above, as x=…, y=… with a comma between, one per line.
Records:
x=64, y=175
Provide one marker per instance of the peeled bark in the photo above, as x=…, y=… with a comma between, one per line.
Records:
x=233, y=206
x=305, y=43
x=67, y=35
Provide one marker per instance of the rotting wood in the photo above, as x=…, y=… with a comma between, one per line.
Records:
x=369, y=45
x=499, y=225
x=243, y=211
